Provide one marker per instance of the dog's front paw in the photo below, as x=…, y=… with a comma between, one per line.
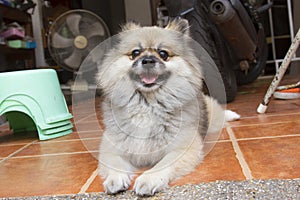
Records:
x=149, y=184
x=116, y=182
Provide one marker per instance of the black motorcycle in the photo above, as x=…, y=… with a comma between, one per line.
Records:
x=231, y=32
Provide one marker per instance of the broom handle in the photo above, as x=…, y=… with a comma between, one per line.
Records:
x=277, y=78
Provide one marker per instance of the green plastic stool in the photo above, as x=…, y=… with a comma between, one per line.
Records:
x=33, y=100
x=20, y=122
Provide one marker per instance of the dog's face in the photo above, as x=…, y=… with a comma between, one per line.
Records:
x=149, y=58
x=150, y=66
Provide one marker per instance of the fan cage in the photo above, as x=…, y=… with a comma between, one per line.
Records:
x=60, y=26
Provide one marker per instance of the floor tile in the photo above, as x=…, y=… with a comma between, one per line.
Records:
x=269, y=143
x=265, y=118
x=273, y=158
x=6, y=150
x=213, y=137
x=251, y=95
x=88, y=126
x=267, y=130
x=277, y=106
x=79, y=135
x=4, y=127
x=48, y=175
x=72, y=136
x=44, y=148
x=224, y=135
x=89, y=134
x=93, y=117
x=96, y=186
x=19, y=138
x=219, y=164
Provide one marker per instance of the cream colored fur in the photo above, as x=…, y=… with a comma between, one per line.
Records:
x=160, y=127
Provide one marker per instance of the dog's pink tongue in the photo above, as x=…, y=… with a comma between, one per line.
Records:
x=148, y=79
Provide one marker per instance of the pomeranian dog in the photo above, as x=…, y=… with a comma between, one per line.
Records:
x=154, y=111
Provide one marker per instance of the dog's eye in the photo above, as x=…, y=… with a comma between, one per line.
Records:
x=163, y=54
x=135, y=53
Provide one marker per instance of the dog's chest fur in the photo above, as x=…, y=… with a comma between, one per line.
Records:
x=145, y=126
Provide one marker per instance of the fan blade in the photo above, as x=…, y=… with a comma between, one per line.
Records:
x=73, y=23
x=59, y=41
x=74, y=60
x=95, y=30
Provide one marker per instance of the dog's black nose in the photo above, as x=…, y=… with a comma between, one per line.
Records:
x=148, y=60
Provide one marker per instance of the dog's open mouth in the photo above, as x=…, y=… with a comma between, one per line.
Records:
x=148, y=79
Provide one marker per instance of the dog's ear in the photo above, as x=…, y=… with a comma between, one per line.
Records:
x=180, y=25
x=130, y=26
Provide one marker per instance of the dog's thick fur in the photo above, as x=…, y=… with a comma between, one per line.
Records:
x=155, y=113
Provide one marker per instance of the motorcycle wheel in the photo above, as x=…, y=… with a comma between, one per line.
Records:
x=207, y=35
x=255, y=69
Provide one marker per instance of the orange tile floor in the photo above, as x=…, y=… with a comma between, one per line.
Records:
x=265, y=146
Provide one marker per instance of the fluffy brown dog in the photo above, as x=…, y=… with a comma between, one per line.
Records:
x=155, y=113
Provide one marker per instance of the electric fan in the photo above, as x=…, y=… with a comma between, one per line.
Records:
x=72, y=36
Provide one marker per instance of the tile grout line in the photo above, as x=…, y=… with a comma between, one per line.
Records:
x=88, y=182
x=56, y=154
x=84, y=118
x=53, y=141
x=239, y=154
x=254, y=138
x=68, y=140
x=262, y=123
x=14, y=144
x=87, y=131
x=271, y=115
x=268, y=137
x=17, y=151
